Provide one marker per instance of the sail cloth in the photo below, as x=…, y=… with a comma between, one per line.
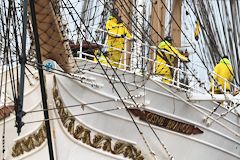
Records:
x=53, y=43
x=197, y=30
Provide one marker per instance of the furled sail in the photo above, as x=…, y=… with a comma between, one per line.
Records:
x=52, y=35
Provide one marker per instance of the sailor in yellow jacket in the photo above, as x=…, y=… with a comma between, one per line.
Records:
x=223, y=75
x=164, y=60
x=116, y=33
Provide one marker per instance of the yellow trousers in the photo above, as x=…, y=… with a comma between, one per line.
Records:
x=114, y=57
x=163, y=70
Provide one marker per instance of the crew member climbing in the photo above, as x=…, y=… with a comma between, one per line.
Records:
x=165, y=59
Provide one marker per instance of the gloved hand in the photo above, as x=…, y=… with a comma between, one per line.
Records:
x=123, y=35
x=188, y=60
x=119, y=19
x=186, y=54
x=132, y=40
x=105, y=54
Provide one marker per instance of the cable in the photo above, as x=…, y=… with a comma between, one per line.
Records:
x=76, y=115
x=112, y=82
x=197, y=16
x=4, y=115
x=121, y=99
x=188, y=41
x=71, y=106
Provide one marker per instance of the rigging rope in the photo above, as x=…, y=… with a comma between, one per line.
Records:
x=208, y=35
x=85, y=65
x=109, y=79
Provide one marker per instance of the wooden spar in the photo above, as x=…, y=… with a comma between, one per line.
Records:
x=235, y=34
x=158, y=24
x=176, y=22
x=19, y=106
x=176, y=25
x=53, y=44
x=41, y=78
x=158, y=21
x=125, y=12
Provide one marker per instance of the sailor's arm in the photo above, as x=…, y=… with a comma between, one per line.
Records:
x=167, y=46
x=112, y=28
x=129, y=36
x=179, y=55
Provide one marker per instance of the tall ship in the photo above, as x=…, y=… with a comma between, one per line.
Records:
x=120, y=79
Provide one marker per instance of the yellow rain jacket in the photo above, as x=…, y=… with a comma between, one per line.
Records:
x=115, y=41
x=161, y=66
x=223, y=71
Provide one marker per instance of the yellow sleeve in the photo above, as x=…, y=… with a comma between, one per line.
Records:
x=122, y=30
x=197, y=30
x=111, y=28
x=182, y=57
x=127, y=33
x=108, y=25
x=172, y=49
x=114, y=28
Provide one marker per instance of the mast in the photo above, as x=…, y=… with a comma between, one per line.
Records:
x=176, y=22
x=41, y=77
x=125, y=12
x=234, y=13
x=158, y=20
x=158, y=26
x=138, y=51
x=176, y=26
x=19, y=107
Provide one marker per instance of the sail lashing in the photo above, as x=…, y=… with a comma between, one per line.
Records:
x=54, y=42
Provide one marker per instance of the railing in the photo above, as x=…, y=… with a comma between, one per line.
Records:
x=220, y=88
x=193, y=85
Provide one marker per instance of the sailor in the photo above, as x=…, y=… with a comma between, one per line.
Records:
x=223, y=75
x=116, y=34
x=165, y=59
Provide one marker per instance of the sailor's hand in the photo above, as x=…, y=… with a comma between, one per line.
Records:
x=119, y=19
x=132, y=40
x=186, y=54
x=185, y=60
x=236, y=92
x=105, y=54
x=123, y=35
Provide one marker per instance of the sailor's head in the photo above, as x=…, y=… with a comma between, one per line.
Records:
x=168, y=38
x=225, y=60
x=115, y=12
x=225, y=57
